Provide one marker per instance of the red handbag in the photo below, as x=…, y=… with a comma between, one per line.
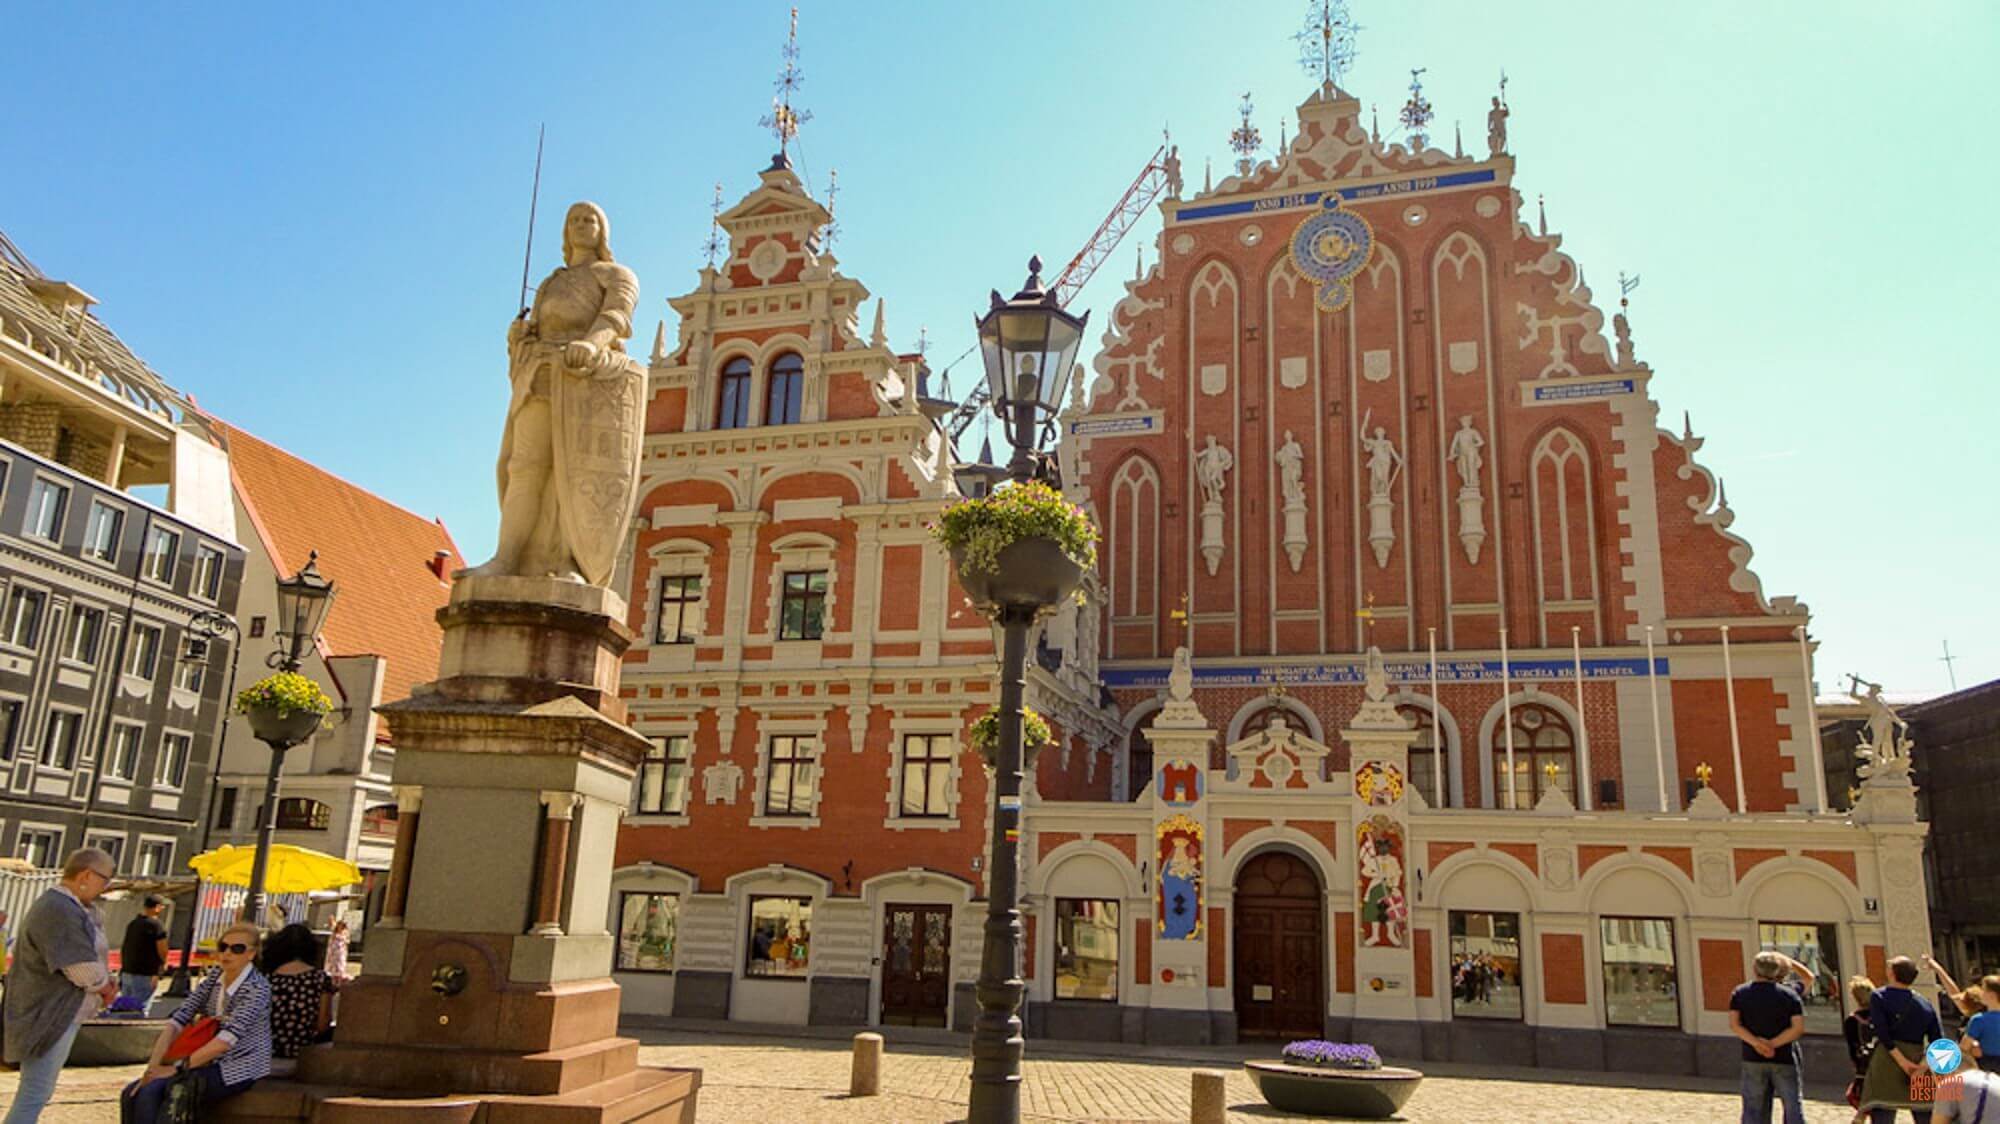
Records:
x=192, y=1037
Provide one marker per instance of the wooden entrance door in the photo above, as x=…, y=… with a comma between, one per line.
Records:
x=1280, y=949
x=916, y=964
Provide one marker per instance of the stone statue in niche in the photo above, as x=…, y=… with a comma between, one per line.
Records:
x=1496, y=128
x=1384, y=464
x=1211, y=467
x=1465, y=453
x=569, y=456
x=1291, y=480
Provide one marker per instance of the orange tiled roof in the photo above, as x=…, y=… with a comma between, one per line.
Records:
x=378, y=555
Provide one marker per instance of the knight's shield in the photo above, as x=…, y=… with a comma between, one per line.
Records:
x=599, y=426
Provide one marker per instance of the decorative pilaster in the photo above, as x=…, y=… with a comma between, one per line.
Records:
x=1179, y=847
x=1378, y=742
x=409, y=813
x=559, y=811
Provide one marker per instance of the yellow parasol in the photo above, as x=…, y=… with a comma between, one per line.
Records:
x=291, y=870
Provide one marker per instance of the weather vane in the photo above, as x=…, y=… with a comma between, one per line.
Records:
x=784, y=121
x=832, y=230
x=1326, y=42
x=1416, y=115
x=1245, y=140
x=714, y=244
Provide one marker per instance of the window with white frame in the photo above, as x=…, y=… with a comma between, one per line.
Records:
x=156, y=856
x=678, y=619
x=789, y=775
x=646, y=931
x=60, y=740
x=664, y=778
x=207, y=583
x=10, y=727
x=163, y=547
x=39, y=847
x=24, y=616
x=188, y=675
x=122, y=759
x=1641, y=978
x=925, y=779
x=47, y=502
x=142, y=653
x=111, y=844
x=780, y=944
x=86, y=628
x=100, y=534
x=1087, y=948
x=802, y=605
x=174, y=752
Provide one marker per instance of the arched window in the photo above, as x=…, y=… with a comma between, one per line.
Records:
x=1139, y=757
x=1425, y=765
x=733, y=400
x=1542, y=738
x=787, y=389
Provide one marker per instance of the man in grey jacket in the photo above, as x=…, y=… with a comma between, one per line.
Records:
x=59, y=978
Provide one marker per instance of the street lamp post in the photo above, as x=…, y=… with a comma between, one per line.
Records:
x=303, y=600
x=206, y=627
x=1028, y=345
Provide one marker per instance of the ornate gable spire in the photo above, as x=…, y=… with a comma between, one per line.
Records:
x=783, y=120
x=1326, y=44
x=1245, y=140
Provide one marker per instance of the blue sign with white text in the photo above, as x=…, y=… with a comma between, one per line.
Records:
x=1400, y=671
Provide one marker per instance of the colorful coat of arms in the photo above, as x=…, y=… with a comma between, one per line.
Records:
x=1178, y=900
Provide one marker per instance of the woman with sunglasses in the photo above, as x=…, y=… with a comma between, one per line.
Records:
x=239, y=998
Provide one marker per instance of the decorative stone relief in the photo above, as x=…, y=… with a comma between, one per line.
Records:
x=1384, y=913
x=1292, y=372
x=1375, y=365
x=720, y=782
x=1534, y=324
x=857, y=724
x=1291, y=480
x=1250, y=235
x=1487, y=207
x=1214, y=379
x=1183, y=244
x=1384, y=464
x=1713, y=875
x=1463, y=357
x=1465, y=454
x=1558, y=866
x=1212, y=467
x=767, y=260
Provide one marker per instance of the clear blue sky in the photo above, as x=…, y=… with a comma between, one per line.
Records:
x=311, y=216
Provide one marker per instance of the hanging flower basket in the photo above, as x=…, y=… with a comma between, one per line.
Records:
x=1022, y=546
x=284, y=708
x=1034, y=735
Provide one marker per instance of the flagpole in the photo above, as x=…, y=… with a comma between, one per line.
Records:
x=1812, y=721
x=1735, y=739
x=1507, y=718
x=1659, y=749
x=1582, y=722
x=1437, y=730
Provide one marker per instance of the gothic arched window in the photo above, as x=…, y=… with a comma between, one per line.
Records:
x=733, y=395
x=1542, y=738
x=786, y=391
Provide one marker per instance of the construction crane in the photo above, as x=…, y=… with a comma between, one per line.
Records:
x=1146, y=188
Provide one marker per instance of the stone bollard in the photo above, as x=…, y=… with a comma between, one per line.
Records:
x=866, y=1079
x=1210, y=1103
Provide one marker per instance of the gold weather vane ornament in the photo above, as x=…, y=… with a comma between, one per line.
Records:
x=1326, y=42
x=784, y=121
x=1703, y=773
x=1367, y=615
x=1245, y=140
x=1416, y=115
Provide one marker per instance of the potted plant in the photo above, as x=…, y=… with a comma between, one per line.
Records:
x=1022, y=545
x=1318, y=1078
x=1034, y=735
x=284, y=708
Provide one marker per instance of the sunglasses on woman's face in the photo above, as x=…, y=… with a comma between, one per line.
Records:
x=236, y=948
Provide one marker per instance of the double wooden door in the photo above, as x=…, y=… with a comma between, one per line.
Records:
x=916, y=964
x=1280, y=949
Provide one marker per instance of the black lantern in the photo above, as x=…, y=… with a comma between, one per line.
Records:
x=303, y=600
x=1029, y=345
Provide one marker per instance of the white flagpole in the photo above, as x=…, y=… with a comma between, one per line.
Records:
x=1437, y=730
x=1659, y=749
x=1582, y=722
x=1507, y=716
x=1812, y=721
x=1735, y=740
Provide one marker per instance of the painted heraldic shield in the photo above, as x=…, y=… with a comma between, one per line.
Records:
x=599, y=427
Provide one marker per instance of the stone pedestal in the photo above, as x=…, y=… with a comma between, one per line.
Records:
x=487, y=983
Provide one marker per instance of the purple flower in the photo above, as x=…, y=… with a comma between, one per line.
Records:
x=1332, y=1055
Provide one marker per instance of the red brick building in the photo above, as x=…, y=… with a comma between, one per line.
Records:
x=1361, y=399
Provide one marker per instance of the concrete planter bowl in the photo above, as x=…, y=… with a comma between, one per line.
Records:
x=282, y=728
x=1355, y=1094
x=1033, y=572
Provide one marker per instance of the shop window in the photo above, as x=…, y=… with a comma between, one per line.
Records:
x=1087, y=948
x=1817, y=946
x=1485, y=965
x=1641, y=979
x=663, y=778
x=646, y=930
x=780, y=945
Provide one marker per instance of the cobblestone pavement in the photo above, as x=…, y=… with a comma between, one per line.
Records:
x=756, y=1078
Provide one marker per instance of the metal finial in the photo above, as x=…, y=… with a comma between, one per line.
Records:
x=832, y=230
x=1542, y=213
x=783, y=120
x=1416, y=115
x=1326, y=42
x=714, y=244
x=1245, y=140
